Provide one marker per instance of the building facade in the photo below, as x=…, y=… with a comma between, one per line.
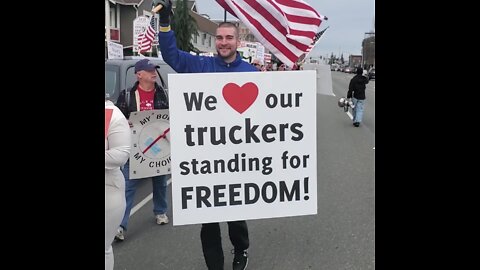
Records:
x=368, y=50
x=120, y=14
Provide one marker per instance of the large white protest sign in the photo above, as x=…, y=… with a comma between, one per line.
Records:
x=150, y=150
x=243, y=145
x=324, y=78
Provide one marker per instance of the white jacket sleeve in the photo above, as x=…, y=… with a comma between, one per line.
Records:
x=117, y=144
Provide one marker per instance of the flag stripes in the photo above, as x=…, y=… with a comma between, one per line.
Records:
x=285, y=27
x=316, y=39
x=146, y=38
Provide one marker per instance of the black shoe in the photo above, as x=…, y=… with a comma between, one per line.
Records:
x=240, y=261
x=357, y=124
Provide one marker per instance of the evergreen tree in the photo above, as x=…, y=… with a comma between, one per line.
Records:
x=185, y=26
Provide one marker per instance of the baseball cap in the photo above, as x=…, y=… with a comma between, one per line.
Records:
x=144, y=64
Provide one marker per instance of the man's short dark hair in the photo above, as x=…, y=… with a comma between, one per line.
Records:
x=230, y=24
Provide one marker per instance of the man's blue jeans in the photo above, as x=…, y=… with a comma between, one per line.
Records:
x=159, y=184
x=358, y=110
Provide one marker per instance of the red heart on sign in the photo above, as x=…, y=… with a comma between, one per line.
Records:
x=240, y=98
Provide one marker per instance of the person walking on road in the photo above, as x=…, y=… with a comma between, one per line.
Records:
x=356, y=88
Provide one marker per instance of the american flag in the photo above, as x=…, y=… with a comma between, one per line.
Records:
x=145, y=39
x=285, y=27
x=316, y=39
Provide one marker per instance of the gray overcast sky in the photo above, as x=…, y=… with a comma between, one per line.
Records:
x=348, y=21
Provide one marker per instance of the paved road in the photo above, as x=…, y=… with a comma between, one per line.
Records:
x=340, y=236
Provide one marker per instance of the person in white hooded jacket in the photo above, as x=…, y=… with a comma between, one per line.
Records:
x=117, y=152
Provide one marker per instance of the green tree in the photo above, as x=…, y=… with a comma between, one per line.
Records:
x=185, y=26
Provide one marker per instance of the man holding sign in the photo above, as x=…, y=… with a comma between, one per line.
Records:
x=145, y=95
x=228, y=60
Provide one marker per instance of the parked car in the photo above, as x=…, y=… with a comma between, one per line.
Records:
x=371, y=74
x=120, y=75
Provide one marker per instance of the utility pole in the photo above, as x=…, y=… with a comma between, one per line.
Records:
x=107, y=20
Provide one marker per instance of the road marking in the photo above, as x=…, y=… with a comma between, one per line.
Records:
x=146, y=200
x=350, y=115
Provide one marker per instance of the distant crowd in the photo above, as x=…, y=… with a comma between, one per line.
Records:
x=274, y=66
